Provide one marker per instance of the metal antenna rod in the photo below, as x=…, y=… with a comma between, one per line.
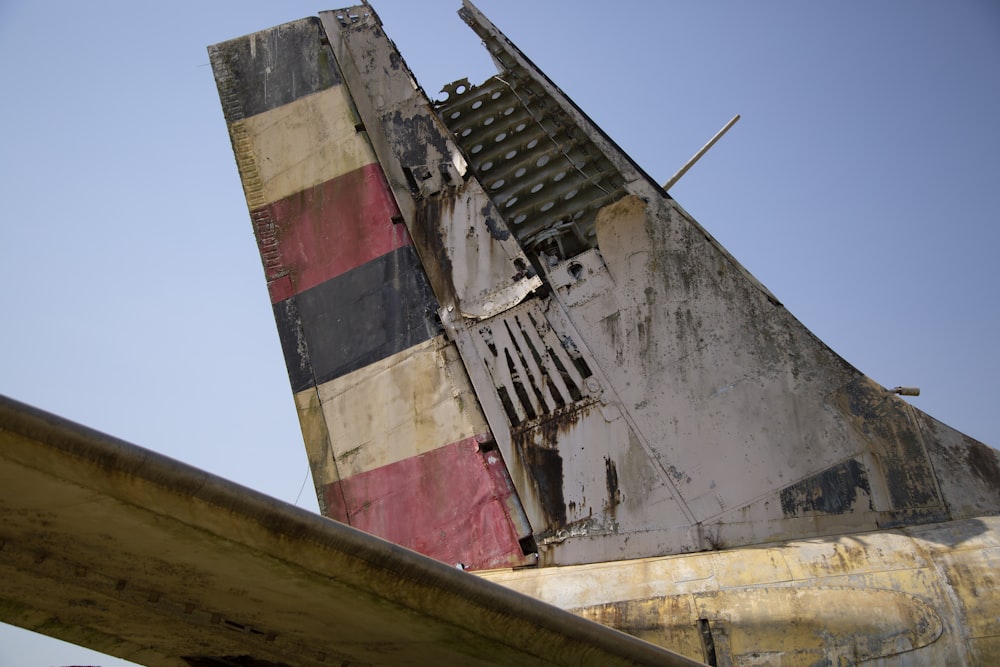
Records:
x=697, y=156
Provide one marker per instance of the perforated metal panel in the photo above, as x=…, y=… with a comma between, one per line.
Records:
x=539, y=167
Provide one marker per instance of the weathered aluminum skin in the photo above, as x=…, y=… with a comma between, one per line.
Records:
x=705, y=416
x=646, y=393
x=922, y=595
x=126, y=551
x=397, y=441
x=476, y=269
x=650, y=397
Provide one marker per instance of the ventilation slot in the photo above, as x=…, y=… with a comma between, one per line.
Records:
x=535, y=372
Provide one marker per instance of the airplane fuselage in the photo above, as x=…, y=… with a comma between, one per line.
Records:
x=914, y=596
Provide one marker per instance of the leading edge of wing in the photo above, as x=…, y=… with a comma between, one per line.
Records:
x=126, y=551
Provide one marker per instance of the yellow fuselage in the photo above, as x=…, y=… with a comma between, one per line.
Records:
x=917, y=596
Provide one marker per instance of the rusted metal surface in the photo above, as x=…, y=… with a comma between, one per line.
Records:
x=525, y=345
x=655, y=398
x=745, y=411
x=125, y=551
x=647, y=394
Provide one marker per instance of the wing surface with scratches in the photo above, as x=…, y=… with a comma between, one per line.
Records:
x=128, y=552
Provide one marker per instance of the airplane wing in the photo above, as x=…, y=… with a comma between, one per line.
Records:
x=123, y=550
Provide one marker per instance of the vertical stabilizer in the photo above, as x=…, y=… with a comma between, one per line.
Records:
x=503, y=335
x=397, y=441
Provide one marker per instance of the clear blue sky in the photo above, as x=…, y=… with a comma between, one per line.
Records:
x=859, y=188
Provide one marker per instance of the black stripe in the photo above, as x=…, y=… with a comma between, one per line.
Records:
x=366, y=314
x=273, y=67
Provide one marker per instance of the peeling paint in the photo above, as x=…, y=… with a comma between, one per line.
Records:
x=833, y=491
x=545, y=466
x=916, y=597
x=983, y=462
x=653, y=398
x=614, y=493
x=497, y=230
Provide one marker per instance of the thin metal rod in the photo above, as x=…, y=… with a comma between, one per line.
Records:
x=697, y=156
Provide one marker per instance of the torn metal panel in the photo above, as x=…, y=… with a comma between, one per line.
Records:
x=535, y=372
x=474, y=263
x=513, y=65
x=547, y=102
x=540, y=168
x=745, y=420
x=567, y=437
x=653, y=397
x=467, y=235
x=893, y=475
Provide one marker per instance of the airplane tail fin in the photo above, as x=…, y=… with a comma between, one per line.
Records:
x=486, y=295
x=397, y=442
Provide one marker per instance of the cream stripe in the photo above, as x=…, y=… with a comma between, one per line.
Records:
x=401, y=406
x=298, y=145
x=316, y=437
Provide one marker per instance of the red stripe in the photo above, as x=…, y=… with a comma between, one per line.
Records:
x=449, y=504
x=326, y=230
